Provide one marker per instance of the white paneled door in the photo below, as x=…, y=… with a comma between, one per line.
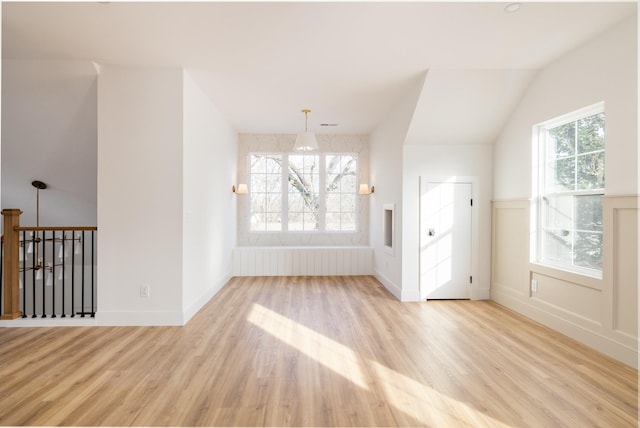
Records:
x=445, y=240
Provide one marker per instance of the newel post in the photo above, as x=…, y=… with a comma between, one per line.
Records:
x=11, y=268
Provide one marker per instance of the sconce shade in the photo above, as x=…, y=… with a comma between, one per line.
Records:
x=242, y=189
x=364, y=189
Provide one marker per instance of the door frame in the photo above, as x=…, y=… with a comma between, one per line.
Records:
x=475, y=225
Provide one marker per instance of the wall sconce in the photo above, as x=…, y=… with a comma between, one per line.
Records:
x=241, y=190
x=364, y=189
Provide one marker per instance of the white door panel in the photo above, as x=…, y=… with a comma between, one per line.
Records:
x=445, y=241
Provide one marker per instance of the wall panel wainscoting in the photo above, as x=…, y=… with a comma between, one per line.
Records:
x=315, y=351
x=602, y=313
x=304, y=261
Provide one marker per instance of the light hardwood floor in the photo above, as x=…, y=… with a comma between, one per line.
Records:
x=318, y=351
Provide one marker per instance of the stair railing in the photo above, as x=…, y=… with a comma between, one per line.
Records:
x=47, y=271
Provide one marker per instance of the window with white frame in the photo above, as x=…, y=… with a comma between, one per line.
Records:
x=571, y=184
x=266, y=192
x=303, y=192
x=341, y=191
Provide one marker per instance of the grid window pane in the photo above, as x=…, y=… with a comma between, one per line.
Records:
x=273, y=222
x=590, y=171
x=304, y=178
x=296, y=202
x=561, y=141
x=348, y=203
x=589, y=213
x=311, y=221
x=591, y=133
x=303, y=196
x=559, y=212
x=333, y=202
x=265, y=183
x=588, y=250
x=557, y=246
x=348, y=221
x=561, y=175
x=333, y=221
x=258, y=184
x=341, y=188
x=571, y=202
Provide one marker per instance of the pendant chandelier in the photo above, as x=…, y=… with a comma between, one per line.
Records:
x=32, y=247
x=305, y=141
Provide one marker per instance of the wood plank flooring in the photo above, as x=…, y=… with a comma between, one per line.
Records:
x=315, y=351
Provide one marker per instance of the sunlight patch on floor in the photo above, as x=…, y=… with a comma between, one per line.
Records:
x=414, y=399
x=426, y=404
x=327, y=352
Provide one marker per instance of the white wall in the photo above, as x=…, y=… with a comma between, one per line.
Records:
x=140, y=194
x=602, y=70
x=283, y=143
x=209, y=206
x=49, y=133
x=385, y=143
x=602, y=313
x=439, y=164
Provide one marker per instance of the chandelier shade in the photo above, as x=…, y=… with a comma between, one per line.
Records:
x=305, y=141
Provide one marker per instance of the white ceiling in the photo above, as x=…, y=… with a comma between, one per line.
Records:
x=261, y=63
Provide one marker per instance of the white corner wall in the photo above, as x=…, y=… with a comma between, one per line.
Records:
x=209, y=207
x=463, y=163
x=603, y=313
x=140, y=194
x=385, y=144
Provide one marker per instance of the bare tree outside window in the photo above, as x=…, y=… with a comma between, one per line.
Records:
x=302, y=199
x=341, y=192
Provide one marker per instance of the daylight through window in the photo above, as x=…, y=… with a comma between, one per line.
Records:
x=572, y=182
x=319, y=192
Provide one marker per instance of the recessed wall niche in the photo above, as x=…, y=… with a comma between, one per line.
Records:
x=388, y=228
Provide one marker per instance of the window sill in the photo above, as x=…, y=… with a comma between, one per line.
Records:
x=573, y=277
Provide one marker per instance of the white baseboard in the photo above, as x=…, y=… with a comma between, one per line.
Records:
x=397, y=291
x=388, y=284
x=410, y=296
x=204, y=299
x=480, y=293
x=593, y=339
x=138, y=318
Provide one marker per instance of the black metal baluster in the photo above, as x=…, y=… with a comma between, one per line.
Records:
x=33, y=271
x=93, y=312
x=53, y=274
x=63, y=284
x=73, y=275
x=83, y=310
x=44, y=274
x=24, y=274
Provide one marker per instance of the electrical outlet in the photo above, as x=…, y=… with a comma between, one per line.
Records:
x=145, y=290
x=534, y=285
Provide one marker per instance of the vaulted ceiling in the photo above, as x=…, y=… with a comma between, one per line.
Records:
x=261, y=63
